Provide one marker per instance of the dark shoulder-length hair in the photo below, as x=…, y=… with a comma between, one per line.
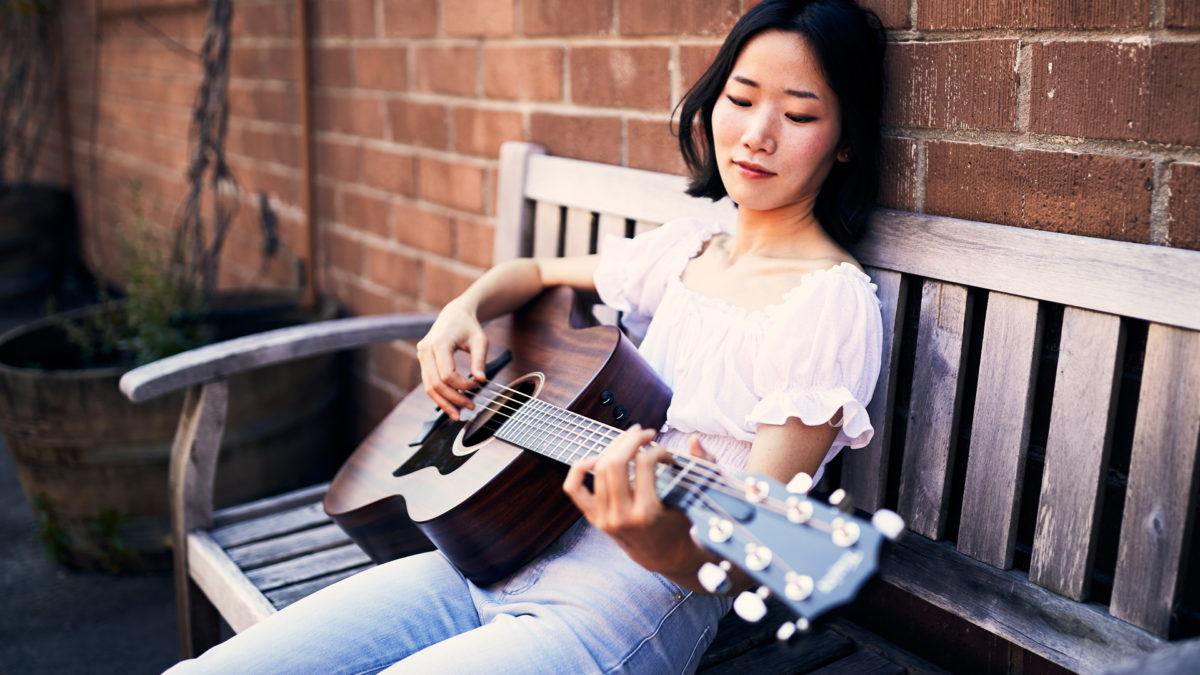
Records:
x=848, y=41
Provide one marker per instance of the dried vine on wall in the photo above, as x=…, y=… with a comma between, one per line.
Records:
x=27, y=85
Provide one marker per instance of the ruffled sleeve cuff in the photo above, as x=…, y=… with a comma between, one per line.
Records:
x=612, y=279
x=814, y=407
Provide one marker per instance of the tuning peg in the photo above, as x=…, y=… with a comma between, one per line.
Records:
x=845, y=532
x=841, y=500
x=756, y=490
x=790, y=628
x=714, y=578
x=750, y=606
x=888, y=523
x=800, y=484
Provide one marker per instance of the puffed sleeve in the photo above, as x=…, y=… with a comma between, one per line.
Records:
x=633, y=273
x=822, y=356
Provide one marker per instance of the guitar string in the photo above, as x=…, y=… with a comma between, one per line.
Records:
x=716, y=476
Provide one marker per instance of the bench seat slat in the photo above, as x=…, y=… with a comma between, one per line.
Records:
x=864, y=471
x=269, y=505
x=282, y=597
x=307, y=567
x=266, y=527
x=288, y=546
x=1000, y=429
x=1162, y=481
x=861, y=662
x=1077, y=449
x=933, y=412
x=237, y=599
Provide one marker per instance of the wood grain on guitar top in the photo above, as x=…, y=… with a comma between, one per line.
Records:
x=500, y=507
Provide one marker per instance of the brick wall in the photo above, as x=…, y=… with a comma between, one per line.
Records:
x=1073, y=117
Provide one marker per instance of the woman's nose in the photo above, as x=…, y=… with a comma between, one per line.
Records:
x=759, y=135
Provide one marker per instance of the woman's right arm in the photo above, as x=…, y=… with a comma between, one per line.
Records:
x=499, y=291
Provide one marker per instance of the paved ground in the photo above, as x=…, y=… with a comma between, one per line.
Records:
x=54, y=620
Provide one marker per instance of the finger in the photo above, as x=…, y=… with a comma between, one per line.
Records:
x=575, y=488
x=695, y=449
x=447, y=381
x=646, y=475
x=477, y=347
x=432, y=385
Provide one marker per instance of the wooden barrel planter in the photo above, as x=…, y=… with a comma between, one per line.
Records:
x=94, y=465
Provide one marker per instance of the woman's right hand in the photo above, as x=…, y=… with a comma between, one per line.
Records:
x=455, y=328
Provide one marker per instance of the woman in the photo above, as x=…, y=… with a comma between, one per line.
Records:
x=770, y=336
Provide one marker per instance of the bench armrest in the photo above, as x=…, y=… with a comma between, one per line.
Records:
x=223, y=359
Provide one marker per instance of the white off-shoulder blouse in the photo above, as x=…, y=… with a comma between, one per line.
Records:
x=815, y=352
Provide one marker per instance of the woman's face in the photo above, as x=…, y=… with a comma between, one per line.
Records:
x=776, y=126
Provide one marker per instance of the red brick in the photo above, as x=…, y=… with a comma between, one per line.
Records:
x=410, y=18
x=1091, y=195
x=281, y=147
x=443, y=283
x=952, y=85
x=1117, y=91
x=892, y=13
x=694, y=61
x=698, y=17
x=262, y=63
x=523, y=73
x=593, y=138
x=453, y=184
x=265, y=105
x=480, y=131
x=1182, y=14
x=548, y=17
x=332, y=67
x=629, y=76
x=348, y=114
x=366, y=213
x=339, y=161
x=898, y=171
x=653, y=146
x=365, y=301
x=395, y=172
x=1183, y=208
x=446, y=70
x=473, y=18
x=423, y=124
x=381, y=68
x=474, y=241
x=344, y=253
x=263, y=20
x=967, y=14
x=343, y=18
x=422, y=229
x=392, y=269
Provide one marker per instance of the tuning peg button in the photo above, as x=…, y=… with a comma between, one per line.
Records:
x=841, y=500
x=888, y=523
x=750, y=607
x=800, y=484
x=714, y=579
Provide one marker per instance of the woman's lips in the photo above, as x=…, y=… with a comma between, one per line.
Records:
x=752, y=170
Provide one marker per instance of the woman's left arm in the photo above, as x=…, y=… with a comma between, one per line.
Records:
x=657, y=536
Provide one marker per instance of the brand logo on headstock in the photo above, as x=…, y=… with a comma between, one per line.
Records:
x=847, y=563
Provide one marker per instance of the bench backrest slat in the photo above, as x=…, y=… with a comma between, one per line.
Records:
x=1162, y=481
x=1077, y=450
x=865, y=471
x=933, y=414
x=1000, y=429
x=1017, y=276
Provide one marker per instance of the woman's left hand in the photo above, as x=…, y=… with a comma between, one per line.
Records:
x=630, y=510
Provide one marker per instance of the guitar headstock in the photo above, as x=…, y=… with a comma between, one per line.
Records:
x=812, y=555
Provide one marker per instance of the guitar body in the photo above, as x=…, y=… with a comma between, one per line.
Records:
x=490, y=506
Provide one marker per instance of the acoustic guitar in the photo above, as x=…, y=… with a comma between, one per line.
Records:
x=487, y=490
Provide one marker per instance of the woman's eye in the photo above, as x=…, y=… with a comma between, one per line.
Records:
x=800, y=119
x=739, y=102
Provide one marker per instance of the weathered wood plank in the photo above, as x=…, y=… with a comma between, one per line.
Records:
x=861, y=662
x=282, y=597
x=1078, y=636
x=619, y=191
x=288, y=546
x=547, y=228
x=1077, y=449
x=1156, y=526
x=864, y=471
x=235, y=597
x=223, y=359
x=800, y=655
x=514, y=214
x=607, y=226
x=307, y=567
x=1155, y=283
x=1000, y=429
x=273, y=525
x=268, y=505
x=929, y=445
x=577, y=237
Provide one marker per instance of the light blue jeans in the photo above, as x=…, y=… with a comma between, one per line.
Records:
x=582, y=606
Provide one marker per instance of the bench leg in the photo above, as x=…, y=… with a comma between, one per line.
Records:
x=199, y=621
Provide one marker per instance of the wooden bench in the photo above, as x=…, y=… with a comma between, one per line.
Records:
x=1037, y=423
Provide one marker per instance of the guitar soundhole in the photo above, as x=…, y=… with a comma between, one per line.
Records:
x=496, y=404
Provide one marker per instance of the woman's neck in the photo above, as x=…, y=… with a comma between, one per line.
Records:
x=771, y=234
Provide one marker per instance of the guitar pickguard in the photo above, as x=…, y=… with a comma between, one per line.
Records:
x=437, y=451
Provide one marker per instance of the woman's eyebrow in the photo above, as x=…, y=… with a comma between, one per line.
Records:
x=798, y=93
